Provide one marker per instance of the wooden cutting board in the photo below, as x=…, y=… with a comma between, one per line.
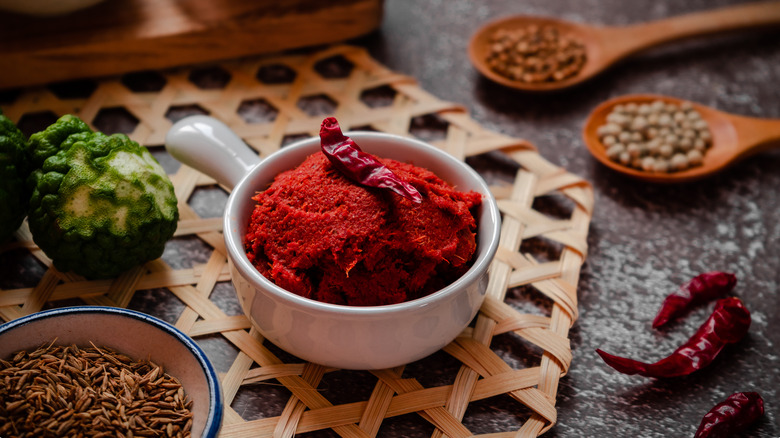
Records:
x=118, y=36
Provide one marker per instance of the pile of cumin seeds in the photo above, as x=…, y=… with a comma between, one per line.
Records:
x=89, y=392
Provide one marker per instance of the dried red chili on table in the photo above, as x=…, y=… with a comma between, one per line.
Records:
x=727, y=324
x=731, y=415
x=700, y=289
x=359, y=166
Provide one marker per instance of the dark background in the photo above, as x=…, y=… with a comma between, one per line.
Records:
x=644, y=239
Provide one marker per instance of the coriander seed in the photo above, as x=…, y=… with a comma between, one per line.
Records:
x=535, y=54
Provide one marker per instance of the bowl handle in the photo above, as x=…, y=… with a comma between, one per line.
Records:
x=209, y=146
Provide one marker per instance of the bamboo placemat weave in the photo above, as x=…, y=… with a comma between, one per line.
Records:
x=538, y=251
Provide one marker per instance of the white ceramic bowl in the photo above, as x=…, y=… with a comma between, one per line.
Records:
x=340, y=336
x=135, y=334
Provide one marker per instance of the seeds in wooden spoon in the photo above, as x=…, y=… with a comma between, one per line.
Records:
x=89, y=392
x=535, y=54
x=655, y=137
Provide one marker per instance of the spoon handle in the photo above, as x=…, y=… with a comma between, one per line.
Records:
x=756, y=134
x=637, y=37
x=208, y=145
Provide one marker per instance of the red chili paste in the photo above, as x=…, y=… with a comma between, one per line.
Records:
x=322, y=236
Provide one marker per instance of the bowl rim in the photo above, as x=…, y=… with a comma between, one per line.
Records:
x=250, y=273
x=214, y=420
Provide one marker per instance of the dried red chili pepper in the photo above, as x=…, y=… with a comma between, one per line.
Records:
x=731, y=415
x=728, y=324
x=700, y=289
x=359, y=166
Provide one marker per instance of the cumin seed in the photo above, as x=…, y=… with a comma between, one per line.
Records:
x=89, y=392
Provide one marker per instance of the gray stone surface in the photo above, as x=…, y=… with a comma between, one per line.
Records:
x=644, y=240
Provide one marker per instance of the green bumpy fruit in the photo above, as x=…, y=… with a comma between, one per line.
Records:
x=14, y=168
x=100, y=204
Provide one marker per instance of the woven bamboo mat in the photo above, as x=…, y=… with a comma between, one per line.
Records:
x=532, y=293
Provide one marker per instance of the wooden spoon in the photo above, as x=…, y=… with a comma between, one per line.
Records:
x=733, y=138
x=605, y=46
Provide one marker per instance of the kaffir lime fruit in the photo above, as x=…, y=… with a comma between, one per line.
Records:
x=100, y=204
x=14, y=168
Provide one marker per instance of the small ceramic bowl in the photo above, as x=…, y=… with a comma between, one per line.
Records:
x=135, y=334
x=339, y=336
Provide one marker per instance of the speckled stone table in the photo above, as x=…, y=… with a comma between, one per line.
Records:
x=644, y=239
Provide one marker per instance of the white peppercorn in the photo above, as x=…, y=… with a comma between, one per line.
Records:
x=648, y=164
x=612, y=128
x=614, y=118
x=655, y=136
x=614, y=151
x=695, y=157
x=634, y=150
x=653, y=146
x=651, y=132
x=639, y=123
x=652, y=119
x=664, y=120
x=661, y=165
x=679, y=162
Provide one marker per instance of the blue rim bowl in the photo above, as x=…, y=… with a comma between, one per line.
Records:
x=135, y=334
